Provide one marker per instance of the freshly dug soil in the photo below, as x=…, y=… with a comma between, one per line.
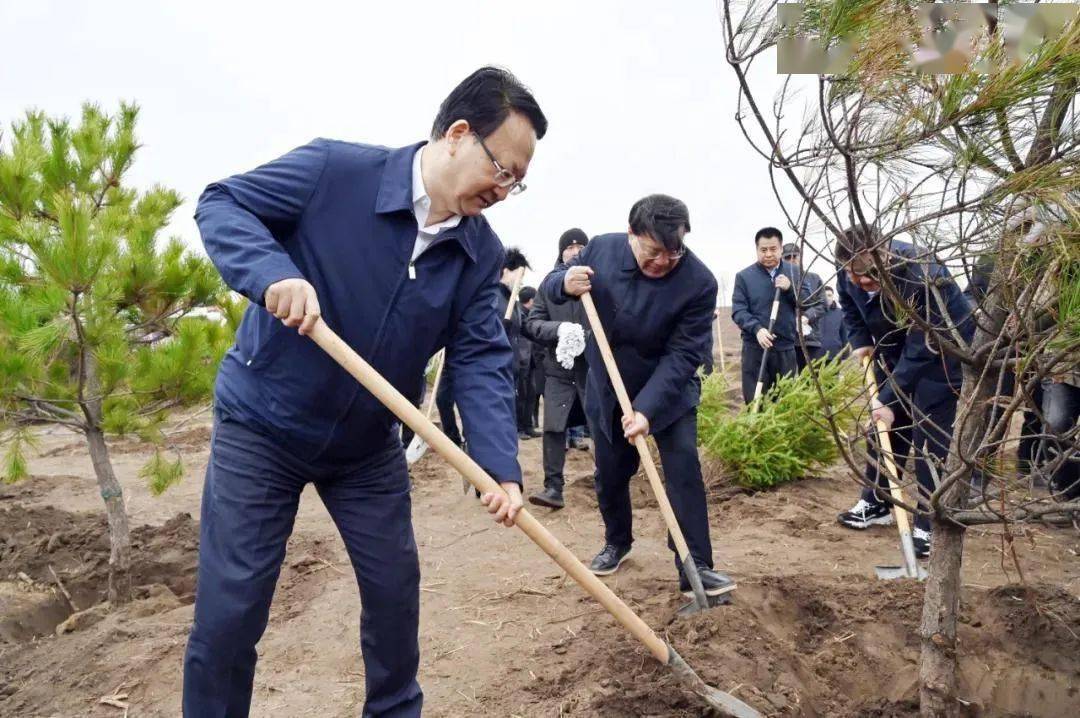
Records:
x=36, y=543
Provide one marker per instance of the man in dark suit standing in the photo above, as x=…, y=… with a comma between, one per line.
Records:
x=751, y=304
x=656, y=300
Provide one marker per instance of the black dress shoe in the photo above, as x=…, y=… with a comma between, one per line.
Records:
x=550, y=498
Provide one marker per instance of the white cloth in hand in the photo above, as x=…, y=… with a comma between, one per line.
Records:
x=571, y=344
x=807, y=330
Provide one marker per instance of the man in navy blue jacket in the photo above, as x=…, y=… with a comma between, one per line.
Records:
x=919, y=383
x=656, y=301
x=389, y=247
x=751, y=304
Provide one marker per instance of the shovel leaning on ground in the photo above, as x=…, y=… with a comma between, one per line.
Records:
x=701, y=601
x=418, y=447
x=393, y=400
x=911, y=567
x=765, y=352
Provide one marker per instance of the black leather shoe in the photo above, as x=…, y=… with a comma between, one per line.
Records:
x=714, y=583
x=550, y=498
x=609, y=559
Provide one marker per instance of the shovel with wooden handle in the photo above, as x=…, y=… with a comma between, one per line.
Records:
x=765, y=352
x=393, y=400
x=418, y=447
x=911, y=567
x=689, y=567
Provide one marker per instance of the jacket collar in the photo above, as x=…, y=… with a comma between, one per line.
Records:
x=396, y=195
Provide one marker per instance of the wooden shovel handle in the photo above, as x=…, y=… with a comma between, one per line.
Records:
x=514, y=292
x=441, y=358
x=639, y=441
x=393, y=400
x=886, y=451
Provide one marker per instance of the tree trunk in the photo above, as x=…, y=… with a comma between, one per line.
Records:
x=941, y=600
x=119, y=533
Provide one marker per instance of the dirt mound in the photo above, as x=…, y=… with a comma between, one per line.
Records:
x=193, y=439
x=42, y=548
x=812, y=646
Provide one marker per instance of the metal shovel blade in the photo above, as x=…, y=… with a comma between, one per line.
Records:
x=416, y=449
x=724, y=703
x=693, y=606
x=889, y=573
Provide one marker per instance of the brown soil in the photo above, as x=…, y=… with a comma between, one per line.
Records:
x=811, y=632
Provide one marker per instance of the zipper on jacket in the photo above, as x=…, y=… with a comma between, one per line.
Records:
x=412, y=270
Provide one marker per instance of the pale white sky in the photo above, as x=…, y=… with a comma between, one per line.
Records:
x=637, y=93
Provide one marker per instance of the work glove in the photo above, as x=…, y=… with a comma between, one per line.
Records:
x=571, y=344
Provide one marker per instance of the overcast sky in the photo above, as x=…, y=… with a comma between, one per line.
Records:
x=637, y=93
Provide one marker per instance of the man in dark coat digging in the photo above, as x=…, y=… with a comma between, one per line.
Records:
x=919, y=382
x=656, y=300
x=564, y=387
x=389, y=247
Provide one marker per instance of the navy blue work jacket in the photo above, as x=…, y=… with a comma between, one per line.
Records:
x=751, y=303
x=903, y=346
x=659, y=330
x=340, y=216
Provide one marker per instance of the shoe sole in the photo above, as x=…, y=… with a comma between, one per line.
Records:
x=609, y=571
x=860, y=525
x=537, y=501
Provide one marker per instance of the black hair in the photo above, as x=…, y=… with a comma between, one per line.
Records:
x=526, y=294
x=515, y=259
x=769, y=232
x=854, y=240
x=484, y=99
x=661, y=217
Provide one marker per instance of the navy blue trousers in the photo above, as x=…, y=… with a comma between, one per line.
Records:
x=252, y=490
x=929, y=433
x=617, y=462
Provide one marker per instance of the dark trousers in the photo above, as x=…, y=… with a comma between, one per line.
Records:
x=929, y=432
x=617, y=462
x=804, y=358
x=253, y=486
x=444, y=402
x=778, y=363
x=521, y=398
x=1061, y=406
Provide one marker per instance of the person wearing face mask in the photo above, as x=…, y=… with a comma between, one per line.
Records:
x=919, y=383
x=390, y=248
x=751, y=305
x=655, y=299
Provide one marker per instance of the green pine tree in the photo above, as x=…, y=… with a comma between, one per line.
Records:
x=103, y=324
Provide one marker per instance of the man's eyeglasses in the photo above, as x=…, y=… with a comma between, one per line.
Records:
x=649, y=254
x=503, y=177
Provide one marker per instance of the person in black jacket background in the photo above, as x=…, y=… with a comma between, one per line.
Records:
x=656, y=301
x=529, y=355
x=564, y=389
x=812, y=312
x=751, y=304
x=831, y=325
